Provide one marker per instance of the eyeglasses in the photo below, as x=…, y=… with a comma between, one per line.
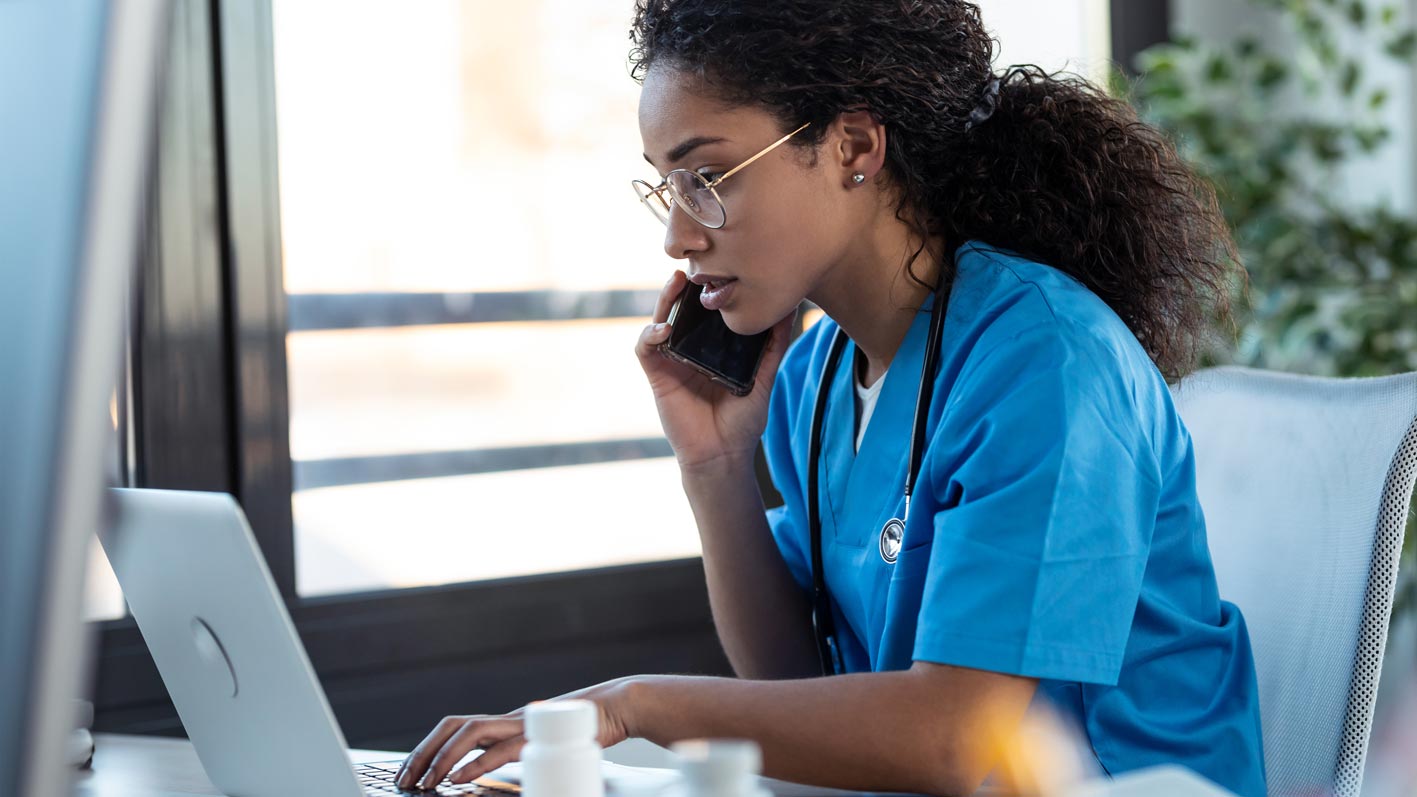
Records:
x=693, y=193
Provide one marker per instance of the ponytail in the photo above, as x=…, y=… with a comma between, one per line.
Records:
x=1065, y=175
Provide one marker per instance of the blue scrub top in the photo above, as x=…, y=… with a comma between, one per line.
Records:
x=1054, y=532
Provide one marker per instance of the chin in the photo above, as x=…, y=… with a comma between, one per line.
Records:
x=745, y=323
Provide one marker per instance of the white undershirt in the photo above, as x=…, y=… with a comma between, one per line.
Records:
x=865, y=404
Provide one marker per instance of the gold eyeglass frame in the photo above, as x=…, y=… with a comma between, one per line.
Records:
x=658, y=191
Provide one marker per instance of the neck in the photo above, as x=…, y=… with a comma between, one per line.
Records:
x=871, y=295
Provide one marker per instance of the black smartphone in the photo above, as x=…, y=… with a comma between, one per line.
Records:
x=701, y=340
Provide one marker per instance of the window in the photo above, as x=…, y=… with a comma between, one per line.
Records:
x=467, y=272
x=1070, y=35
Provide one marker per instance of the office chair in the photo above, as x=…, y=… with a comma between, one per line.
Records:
x=1306, y=483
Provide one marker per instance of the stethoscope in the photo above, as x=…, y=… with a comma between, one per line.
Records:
x=893, y=531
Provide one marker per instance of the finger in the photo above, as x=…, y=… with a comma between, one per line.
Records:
x=647, y=345
x=417, y=761
x=495, y=756
x=482, y=733
x=669, y=295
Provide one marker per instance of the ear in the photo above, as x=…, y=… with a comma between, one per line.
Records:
x=859, y=146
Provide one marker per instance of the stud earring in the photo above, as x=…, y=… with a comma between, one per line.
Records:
x=858, y=178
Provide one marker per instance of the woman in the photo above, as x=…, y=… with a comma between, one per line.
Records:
x=1053, y=548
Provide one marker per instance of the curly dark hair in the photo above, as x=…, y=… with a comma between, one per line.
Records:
x=1061, y=172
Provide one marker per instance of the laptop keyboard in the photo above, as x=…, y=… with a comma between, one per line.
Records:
x=378, y=781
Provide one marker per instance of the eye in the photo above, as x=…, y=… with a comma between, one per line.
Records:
x=710, y=176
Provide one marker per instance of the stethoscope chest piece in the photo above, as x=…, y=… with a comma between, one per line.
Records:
x=891, y=535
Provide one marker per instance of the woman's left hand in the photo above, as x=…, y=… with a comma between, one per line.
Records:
x=501, y=739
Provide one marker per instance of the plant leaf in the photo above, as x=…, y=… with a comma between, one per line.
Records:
x=1357, y=13
x=1403, y=46
x=1272, y=73
x=1351, y=74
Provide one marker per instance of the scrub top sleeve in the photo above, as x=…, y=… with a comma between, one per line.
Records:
x=1047, y=492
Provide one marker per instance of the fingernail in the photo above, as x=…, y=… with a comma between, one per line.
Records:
x=659, y=328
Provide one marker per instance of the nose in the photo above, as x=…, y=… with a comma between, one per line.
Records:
x=683, y=236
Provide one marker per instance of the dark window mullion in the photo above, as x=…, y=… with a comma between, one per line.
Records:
x=326, y=311
x=1137, y=25
x=256, y=330
x=182, y=414
x=341, y=471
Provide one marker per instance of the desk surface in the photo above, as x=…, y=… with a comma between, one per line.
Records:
x=160, y=767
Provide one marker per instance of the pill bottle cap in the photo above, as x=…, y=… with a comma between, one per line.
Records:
x=714, y=765
x=561, y=721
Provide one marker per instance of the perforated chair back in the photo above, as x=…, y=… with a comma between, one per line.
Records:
x=1305, y=483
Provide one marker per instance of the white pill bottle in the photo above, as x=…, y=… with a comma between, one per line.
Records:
x=719, y=768
x=562, y=757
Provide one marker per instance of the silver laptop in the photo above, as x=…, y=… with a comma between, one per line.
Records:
x=227, y=651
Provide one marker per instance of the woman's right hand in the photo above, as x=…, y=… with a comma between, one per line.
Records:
x=705, y=423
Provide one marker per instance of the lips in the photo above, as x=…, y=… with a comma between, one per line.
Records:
x=717, y=289
x=717, y=293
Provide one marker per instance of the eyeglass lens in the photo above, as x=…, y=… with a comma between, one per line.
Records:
x=690, y=191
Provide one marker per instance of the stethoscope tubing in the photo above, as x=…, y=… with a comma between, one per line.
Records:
x=823, y=624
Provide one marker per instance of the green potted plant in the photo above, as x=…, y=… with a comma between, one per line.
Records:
x=1332, y=284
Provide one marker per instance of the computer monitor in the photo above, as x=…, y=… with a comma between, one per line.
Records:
x=77, y=112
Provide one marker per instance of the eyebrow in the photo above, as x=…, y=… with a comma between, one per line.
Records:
x=682, y=151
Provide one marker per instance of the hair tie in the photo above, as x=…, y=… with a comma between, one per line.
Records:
x=986, y=107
